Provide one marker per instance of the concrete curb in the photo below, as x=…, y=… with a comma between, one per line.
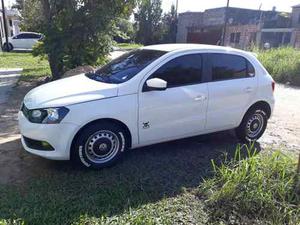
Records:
x=9, y=71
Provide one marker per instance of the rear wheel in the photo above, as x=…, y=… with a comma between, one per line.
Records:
x=7, y=47
x=253, y=125
x=99, y=145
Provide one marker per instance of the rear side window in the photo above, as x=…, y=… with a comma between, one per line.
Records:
x=184, y=70
x=32, y=36
x=226, y=67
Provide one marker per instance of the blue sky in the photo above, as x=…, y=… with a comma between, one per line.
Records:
x=201, y=5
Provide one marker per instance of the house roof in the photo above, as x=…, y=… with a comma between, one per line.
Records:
x=296, y=6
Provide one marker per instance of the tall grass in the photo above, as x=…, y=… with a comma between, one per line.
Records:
x=282, y=63
x=258, y=190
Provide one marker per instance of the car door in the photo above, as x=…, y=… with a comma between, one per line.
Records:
x=178, y=111
x=31, y=40
x=18, y=41
x=231, y=90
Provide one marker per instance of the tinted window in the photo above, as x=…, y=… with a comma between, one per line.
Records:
x=31, y=36
x=180, y=71
x=20, y=36
x=125, y=67
x=225, y=67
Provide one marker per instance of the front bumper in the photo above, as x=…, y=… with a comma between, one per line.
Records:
x=59, y=136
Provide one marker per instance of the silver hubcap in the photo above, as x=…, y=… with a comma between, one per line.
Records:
x=102, y=146
x=254, y=125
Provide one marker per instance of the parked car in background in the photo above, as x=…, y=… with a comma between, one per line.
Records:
x=150, y=95
x=23, y=40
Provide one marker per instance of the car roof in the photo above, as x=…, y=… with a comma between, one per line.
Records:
x=25, y=32
x=182, y=47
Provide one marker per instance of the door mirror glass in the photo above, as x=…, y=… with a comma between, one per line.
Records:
x=156, y=84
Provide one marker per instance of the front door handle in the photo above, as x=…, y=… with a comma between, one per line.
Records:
x=201, y=98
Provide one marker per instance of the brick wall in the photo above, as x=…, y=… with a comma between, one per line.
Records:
x=247, y=35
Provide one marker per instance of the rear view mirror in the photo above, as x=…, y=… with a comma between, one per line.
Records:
x=156, y=84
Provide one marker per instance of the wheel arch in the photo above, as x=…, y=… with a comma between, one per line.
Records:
x=262, y=105
x=9, y=44
x=110, y=120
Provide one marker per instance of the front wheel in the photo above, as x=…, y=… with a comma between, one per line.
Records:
x=99, y=145
x=253, y=125
x=7, y=47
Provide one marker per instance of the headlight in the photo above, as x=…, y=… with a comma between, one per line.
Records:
x=48, y=115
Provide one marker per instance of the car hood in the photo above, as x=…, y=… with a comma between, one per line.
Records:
x=69, y=91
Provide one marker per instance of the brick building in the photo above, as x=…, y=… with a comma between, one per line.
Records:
x=246, y=27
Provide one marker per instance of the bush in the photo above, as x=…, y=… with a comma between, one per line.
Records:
x=258, y=190
x=282, y=63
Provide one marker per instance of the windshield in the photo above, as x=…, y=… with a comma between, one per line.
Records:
x=126, y=66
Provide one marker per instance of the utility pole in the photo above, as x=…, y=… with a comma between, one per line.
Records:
x=5, y=25
x=176, y=8
x=225, y=23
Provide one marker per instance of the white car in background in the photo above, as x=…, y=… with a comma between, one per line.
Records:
x=23, y=40
x=150, y=95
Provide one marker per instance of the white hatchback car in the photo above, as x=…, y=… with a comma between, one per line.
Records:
x=150, y=95
x=24, y=40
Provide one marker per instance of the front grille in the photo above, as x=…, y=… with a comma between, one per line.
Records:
x=37, y=145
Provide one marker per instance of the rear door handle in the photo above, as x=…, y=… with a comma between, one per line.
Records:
x=249, y=89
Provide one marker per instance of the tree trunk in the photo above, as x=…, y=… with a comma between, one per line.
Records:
x=56, y=66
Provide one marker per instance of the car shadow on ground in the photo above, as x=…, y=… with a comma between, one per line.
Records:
x=145, y=175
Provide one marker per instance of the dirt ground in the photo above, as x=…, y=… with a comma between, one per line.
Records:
x=16, y=165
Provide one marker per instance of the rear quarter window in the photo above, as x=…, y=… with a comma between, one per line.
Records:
x=228, y=66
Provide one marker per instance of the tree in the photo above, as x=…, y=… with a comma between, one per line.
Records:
x=124, y=30
x=19, y=5
x=148, y=22
x=78, y=32
x=169, y=23
x=31, y=15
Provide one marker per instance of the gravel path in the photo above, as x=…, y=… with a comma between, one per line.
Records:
x=17, y=166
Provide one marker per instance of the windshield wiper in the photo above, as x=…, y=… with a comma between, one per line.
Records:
x=99, y=77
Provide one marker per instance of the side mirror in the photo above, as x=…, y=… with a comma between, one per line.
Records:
x=156, y=84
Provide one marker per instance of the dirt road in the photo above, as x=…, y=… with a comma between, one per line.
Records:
x=17, y=166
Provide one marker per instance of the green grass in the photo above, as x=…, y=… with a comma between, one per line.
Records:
x=32, y=66
x=128, y=45
x=159, y=186
x=282, y=63
x=262, y=188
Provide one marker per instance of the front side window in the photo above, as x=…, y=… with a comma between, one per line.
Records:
x=226, y=67
x=126, y=66
x=20, y=36
x=184, y=70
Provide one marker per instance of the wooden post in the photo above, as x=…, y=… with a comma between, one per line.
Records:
x=225, y=24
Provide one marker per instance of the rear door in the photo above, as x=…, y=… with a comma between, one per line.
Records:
x=30, y=40
x=232, y=86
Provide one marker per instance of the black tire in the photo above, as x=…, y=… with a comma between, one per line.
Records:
x=7, y=47
x=99, y=145
x=252, y=126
